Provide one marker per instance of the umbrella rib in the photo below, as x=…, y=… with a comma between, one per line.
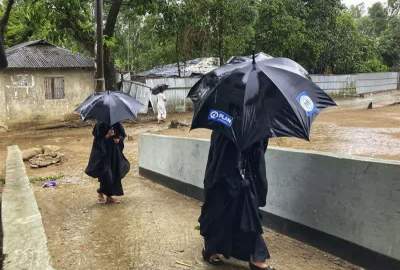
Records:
x=280, y=68
x=286, y=97
x=91, y=98
x=92, y=105
x=132, y=110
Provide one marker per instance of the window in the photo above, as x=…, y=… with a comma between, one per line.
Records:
x=22, y=81
x=54, y=87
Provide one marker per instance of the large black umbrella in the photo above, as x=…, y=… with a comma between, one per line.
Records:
x=109, y=107
x=252, y=98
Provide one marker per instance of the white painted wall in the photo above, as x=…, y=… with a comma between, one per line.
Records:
x=355, y=199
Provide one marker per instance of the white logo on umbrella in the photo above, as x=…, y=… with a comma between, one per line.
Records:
x=220, y=117
x=214, y=114
x=306, y=103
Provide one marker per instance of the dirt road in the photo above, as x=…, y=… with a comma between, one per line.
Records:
x=154, y=228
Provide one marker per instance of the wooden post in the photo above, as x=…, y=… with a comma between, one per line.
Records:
x=100, y=85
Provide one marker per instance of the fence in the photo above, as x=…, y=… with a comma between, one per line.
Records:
x=339, y=85
x=357, y=84
x=178, y=89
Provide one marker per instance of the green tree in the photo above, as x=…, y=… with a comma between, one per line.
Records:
x=390, y=44
x=378, y=16
x=231, y=23
x=320, y=34
x=3, y=25
x=357, y=11
x=321, y=18
x=353, y=52
x=393, y=8
x=281, y=28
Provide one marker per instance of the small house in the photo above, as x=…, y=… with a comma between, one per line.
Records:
x=43, y=82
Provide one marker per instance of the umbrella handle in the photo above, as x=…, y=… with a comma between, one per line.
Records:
x=241, y=167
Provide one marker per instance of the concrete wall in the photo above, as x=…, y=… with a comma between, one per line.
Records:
x=24, y=238
x=355, y=199
x=22, y=95
x=3, y=110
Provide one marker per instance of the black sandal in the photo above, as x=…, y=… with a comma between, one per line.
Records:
x=255, y=267
x=211, y=260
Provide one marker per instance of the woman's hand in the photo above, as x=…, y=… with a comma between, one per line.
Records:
x=109, y=134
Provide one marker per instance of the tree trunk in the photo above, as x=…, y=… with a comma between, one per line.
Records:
x=221, y=36
x=3, y=25
x=220, y=50
x=3, y=58
x=109, y=68
x=100, y=86
x=177, y=54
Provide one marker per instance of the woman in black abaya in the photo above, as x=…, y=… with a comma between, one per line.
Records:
x=107, y=161
x=230, y=221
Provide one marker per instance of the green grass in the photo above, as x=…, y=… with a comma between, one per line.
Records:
x=45, y=178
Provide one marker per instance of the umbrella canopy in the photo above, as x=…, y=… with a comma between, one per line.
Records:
x=250, y=99
x=109, y=107
x=159, y=89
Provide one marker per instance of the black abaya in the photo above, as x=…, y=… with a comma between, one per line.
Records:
x=230, y=221
x=107, y=161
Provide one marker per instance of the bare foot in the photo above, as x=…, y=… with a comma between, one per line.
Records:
x=111, y=200
x=101, y=198
x=214, y=259
x=260, y=265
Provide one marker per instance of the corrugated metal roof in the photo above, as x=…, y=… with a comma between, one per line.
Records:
x=195, y=67
x=40, y=54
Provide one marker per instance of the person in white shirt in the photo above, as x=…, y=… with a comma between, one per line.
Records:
x=161, y=107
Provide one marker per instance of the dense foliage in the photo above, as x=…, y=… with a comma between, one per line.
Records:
x=322, y=35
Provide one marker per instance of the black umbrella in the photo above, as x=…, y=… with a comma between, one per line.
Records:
x=252, y=98
x=159, y=89
x=109, y=107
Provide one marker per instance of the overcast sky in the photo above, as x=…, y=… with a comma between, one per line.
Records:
x=367, y=3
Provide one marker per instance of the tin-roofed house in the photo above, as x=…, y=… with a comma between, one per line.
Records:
x=179, y=83
x=43, y=82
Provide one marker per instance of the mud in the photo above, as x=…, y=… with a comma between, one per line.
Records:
x=370, y=133
x=154, y=228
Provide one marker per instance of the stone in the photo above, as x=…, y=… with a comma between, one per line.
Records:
x=72, y=117
x=3, y=128
x=177, y=124
x=31, y=152
x=45, y=160
x=48, y=149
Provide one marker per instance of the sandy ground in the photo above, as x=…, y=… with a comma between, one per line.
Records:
x=360, y=132
x=154, y=228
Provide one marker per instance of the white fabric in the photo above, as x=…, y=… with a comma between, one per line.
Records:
x=161, y=102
